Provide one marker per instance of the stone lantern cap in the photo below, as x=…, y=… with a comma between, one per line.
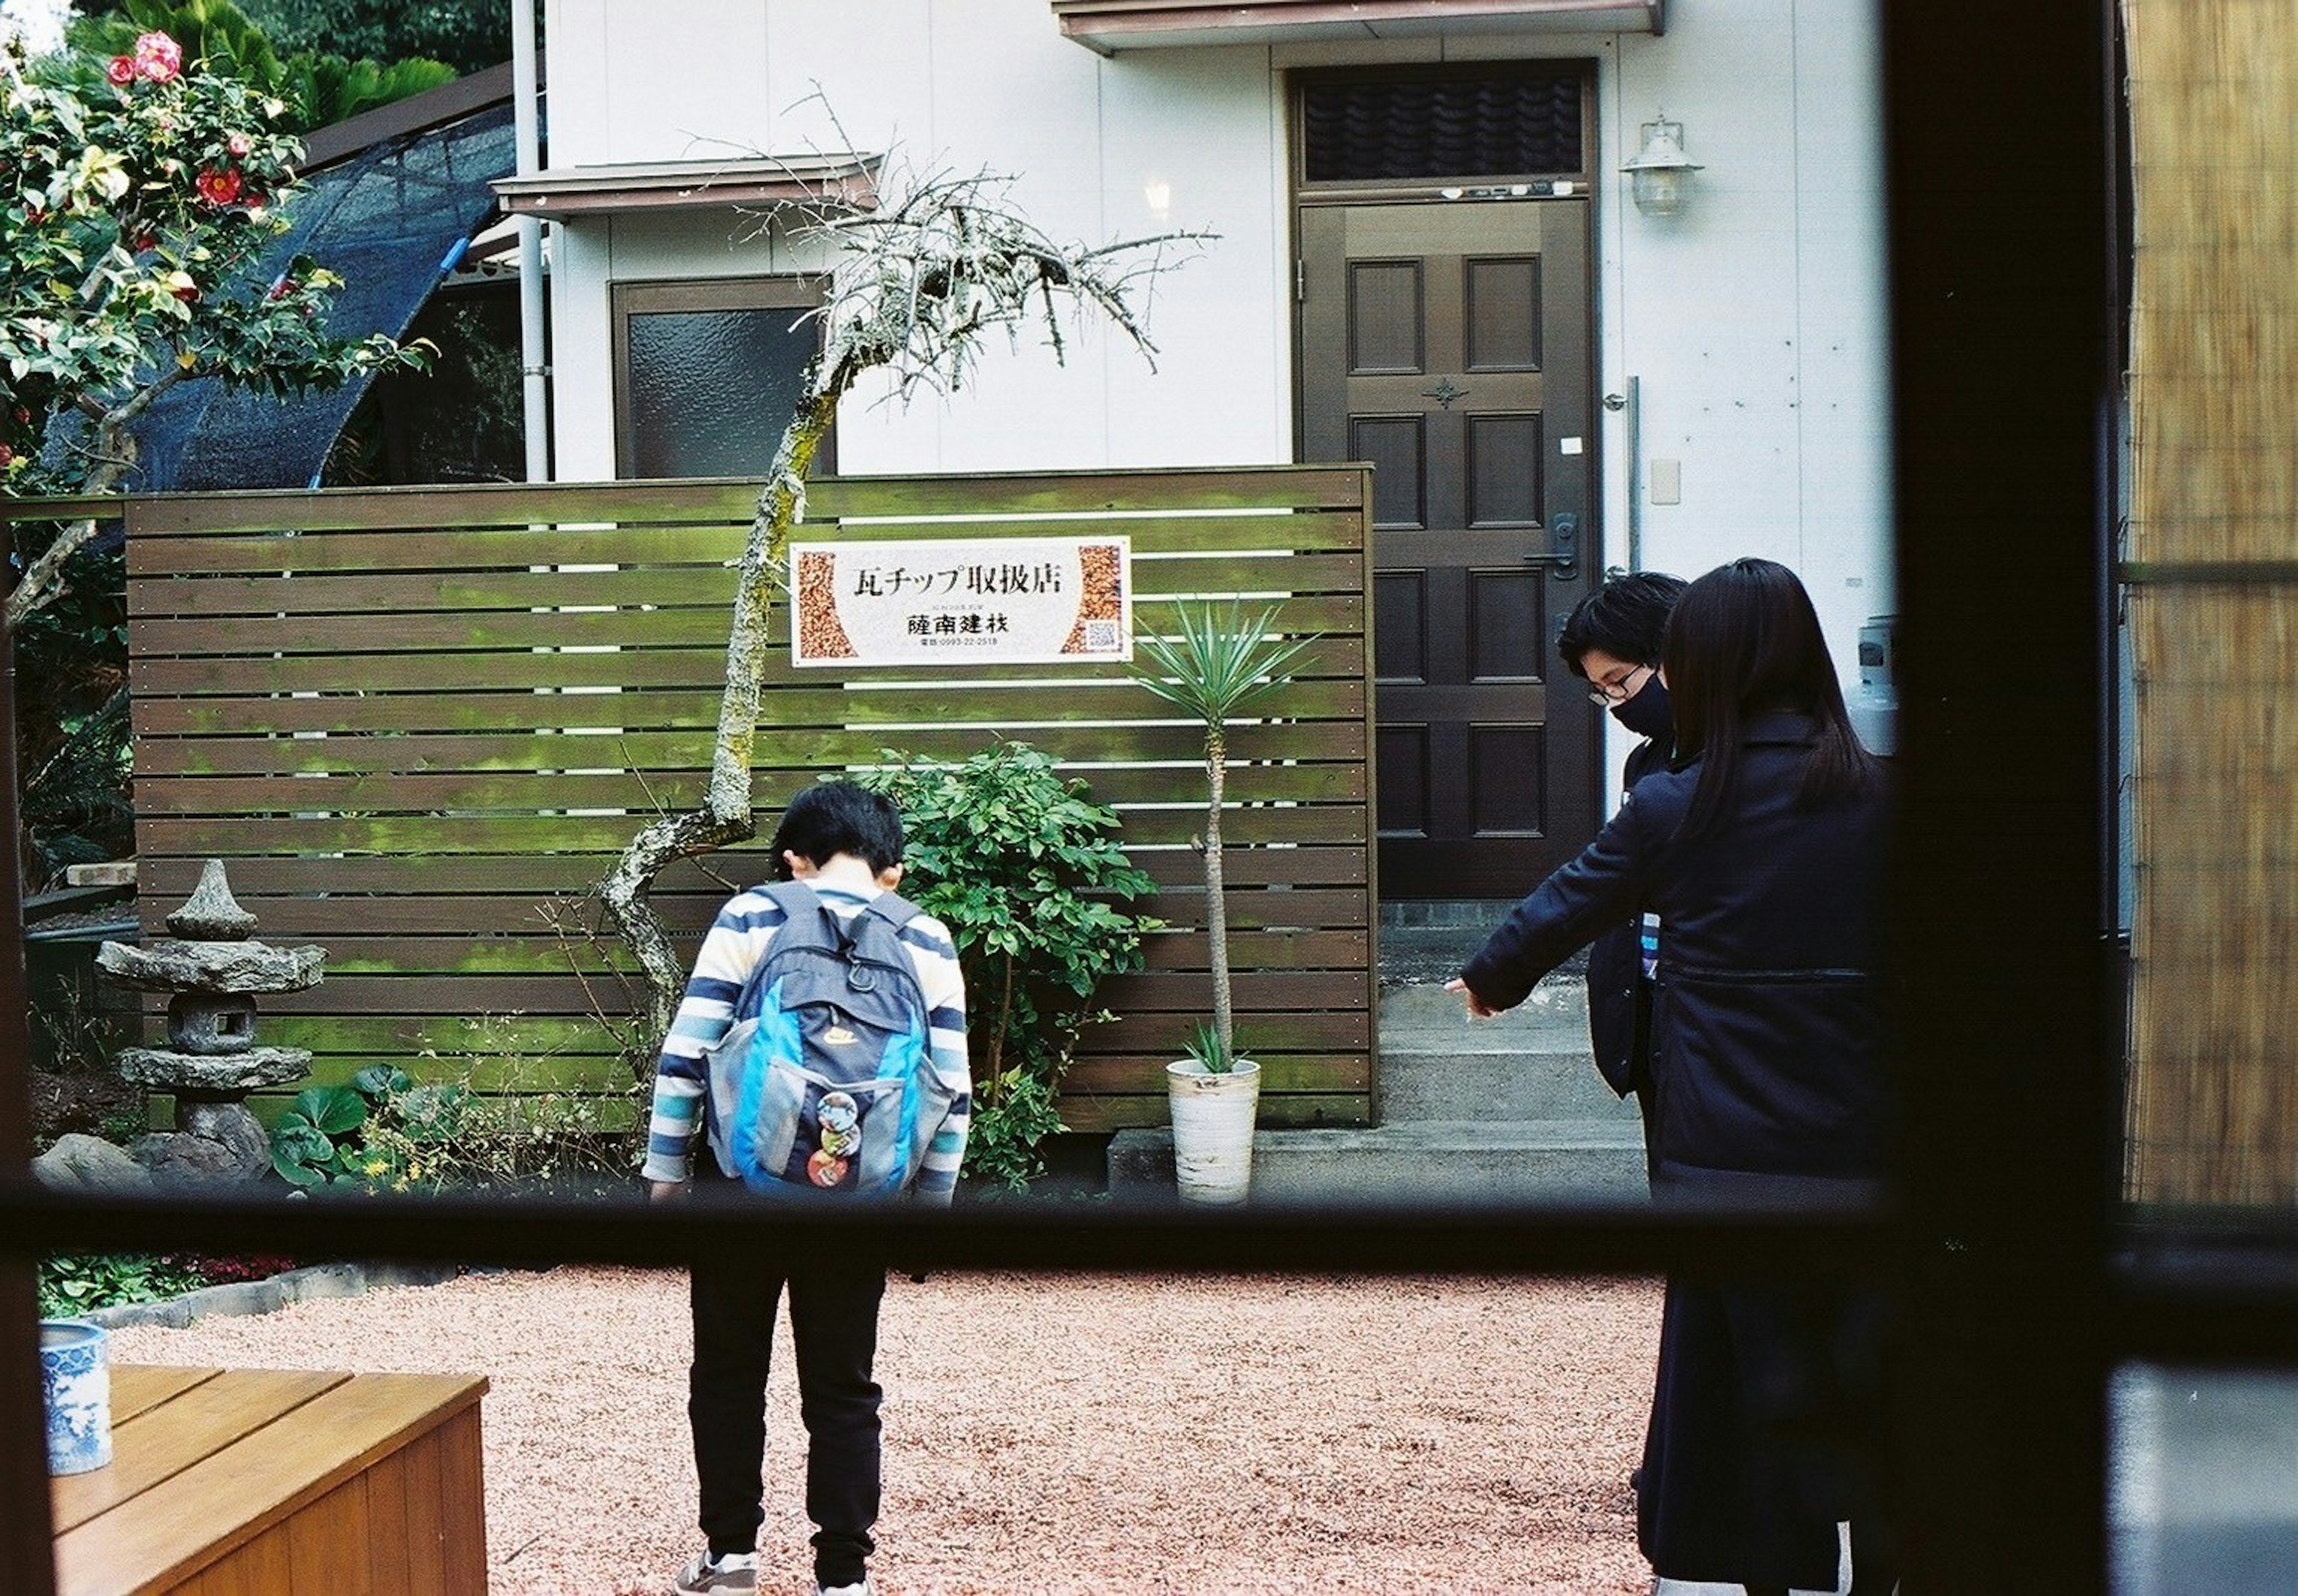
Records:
x=223, y=967
x=211, y=952
x=212, y=914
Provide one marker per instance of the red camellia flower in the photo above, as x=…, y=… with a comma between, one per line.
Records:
x=218, y=188
x=282, y=288
x=7, y=455
x=159, y=58
x=189, y=294
x=121, y=71
x=146, y=240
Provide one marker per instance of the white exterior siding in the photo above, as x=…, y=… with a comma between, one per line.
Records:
x=1755, y=319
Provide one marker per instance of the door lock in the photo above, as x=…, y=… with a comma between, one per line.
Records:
x=1563, y=546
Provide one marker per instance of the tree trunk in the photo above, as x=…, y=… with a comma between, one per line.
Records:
x=726, y=816
x=1216, y=905
x=43, y=581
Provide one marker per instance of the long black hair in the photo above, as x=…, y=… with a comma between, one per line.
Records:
x=1744, y=640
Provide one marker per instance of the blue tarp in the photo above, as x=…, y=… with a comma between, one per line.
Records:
x=390, y=221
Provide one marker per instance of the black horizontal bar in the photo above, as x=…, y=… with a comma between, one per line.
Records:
x=2207, y=573
x=2215, y=1287
x=1801, y=1240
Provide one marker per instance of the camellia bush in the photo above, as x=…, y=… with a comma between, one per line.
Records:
x=132, y=223
x=142, y=201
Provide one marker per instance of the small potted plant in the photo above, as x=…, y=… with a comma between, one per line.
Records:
x=1220, y=660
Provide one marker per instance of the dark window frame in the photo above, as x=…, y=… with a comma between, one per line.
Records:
x=626, y=298
x=1299, y=80
x=2025, y=1279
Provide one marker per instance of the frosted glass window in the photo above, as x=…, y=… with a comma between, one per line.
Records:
x=709, y=374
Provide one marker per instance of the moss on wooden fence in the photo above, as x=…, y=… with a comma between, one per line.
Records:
x=419, y=724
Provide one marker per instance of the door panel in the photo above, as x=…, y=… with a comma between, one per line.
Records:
x=1448, y=344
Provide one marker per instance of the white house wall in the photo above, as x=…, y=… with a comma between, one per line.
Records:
x=1754, y=320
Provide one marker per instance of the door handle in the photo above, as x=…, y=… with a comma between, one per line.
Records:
x=1563, y=546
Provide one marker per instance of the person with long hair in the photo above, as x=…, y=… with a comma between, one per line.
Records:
x=1763, y=850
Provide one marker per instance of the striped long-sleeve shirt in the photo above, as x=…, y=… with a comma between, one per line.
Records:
x=737, y=944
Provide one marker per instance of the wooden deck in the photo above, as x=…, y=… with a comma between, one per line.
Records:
x=279, y=1483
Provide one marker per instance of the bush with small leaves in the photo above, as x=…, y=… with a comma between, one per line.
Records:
x=1027, y=873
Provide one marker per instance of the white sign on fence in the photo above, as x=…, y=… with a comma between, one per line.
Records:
x=951, y=601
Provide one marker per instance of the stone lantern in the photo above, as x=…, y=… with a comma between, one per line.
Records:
x=212, y=969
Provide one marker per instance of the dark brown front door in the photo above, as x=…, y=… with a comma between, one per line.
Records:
x=1447, y=342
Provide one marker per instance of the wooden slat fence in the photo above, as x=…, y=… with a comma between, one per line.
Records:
x=418, y=724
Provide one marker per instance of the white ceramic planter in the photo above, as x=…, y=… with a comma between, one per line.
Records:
x=76, y=1377
x=1212, y=1128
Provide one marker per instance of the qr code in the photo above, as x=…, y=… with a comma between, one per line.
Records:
x=1100, y=637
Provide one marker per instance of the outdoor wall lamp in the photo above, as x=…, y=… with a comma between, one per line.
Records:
x=1661, y=172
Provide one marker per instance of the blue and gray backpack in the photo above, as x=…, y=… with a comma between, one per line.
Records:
x=825, y=1084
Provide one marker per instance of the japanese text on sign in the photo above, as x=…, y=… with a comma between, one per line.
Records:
x=1015, y=600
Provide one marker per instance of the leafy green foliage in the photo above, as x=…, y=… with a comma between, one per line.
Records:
x=129, y=217
x=140, y=189
x=1027, y=873
x=468, y=35
x=75, y=804
x=318, y=85
x=385, y=1131
x=316, y=1142
x=75, y=1284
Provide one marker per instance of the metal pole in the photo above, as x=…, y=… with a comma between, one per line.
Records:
x=534, y=349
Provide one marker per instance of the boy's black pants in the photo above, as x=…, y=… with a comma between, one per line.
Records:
x=834, y=1320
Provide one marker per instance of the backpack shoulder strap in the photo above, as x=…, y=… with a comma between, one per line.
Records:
x=806, y=913
x=893, y=908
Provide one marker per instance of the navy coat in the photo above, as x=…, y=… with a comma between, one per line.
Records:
x=1766, y=1071
x=1619, y=1004
x=1767, y=1030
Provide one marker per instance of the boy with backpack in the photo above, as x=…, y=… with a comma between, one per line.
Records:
x=820, y=1047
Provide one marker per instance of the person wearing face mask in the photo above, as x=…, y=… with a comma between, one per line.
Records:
x=1612, y=641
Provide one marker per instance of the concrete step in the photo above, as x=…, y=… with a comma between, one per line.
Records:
x=1531, y=1063
x=1477, y=1162
x=1421, y=1016
x=1517, y=1084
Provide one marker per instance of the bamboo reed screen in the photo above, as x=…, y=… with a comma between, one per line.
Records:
x=369, y=705
x=2213, y=599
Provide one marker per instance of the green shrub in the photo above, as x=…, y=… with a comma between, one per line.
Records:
x=1027, y=873
x=75, y=1284
x=387, y=1132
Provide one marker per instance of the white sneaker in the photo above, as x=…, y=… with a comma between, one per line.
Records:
x=705, y=1575
x=864, y=1589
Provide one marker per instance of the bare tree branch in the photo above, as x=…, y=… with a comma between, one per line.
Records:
x=914, y=288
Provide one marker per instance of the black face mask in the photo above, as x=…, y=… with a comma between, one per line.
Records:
x=1647, y=713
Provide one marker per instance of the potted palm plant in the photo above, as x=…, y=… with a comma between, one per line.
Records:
x=1219, y=661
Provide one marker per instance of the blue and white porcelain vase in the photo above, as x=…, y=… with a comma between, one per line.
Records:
x=76, y=1372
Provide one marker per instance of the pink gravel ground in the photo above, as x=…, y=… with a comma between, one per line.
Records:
x=1058, y=1433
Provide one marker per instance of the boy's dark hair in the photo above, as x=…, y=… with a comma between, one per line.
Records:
x=831, y=818
x=1626, y=619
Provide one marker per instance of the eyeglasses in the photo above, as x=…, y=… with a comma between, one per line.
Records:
x=1605, y=694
